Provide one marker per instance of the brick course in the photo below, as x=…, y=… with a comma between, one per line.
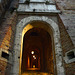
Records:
x=7, y=33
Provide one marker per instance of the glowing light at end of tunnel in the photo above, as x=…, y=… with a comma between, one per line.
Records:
x=33, y=66
x=34, y=56
x=32, y=52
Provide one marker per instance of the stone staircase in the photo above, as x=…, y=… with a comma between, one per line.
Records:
x=36, y=73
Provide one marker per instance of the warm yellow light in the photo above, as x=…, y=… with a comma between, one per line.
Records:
x=33, y=66
x=32, y=52
x=34, y=56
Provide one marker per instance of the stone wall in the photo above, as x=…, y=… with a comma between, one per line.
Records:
x=67, y=22
x=7, y=32
x=68, y=16
x=66, y=26
x=4, y=5
x=67, y=45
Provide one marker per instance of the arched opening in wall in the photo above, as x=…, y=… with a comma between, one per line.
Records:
x=50, y=27
x=37, y=53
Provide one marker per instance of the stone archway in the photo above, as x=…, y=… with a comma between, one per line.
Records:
x=37, y=52
x=51, y=27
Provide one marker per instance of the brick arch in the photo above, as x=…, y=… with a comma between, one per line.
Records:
x=18, y=40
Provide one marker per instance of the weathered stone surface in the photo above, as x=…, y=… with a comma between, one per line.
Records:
x=7, y=31
x=66, y=26
x=68, y=16
x=56, y=36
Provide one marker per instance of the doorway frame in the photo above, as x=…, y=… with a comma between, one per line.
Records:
x=21, y=30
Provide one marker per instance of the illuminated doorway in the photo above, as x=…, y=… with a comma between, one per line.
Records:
x=37, y=51
x=52, y=29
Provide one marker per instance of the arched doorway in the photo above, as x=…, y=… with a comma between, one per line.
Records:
x=37, y=51
x=51, y=28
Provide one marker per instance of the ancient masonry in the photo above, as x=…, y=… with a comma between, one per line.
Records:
x=57, y=17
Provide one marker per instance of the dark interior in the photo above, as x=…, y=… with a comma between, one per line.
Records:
x=37, y=51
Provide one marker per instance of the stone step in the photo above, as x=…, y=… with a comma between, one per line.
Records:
x=37, y=73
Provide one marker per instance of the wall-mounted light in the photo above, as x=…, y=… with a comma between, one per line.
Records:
x=34, y=56
x=32, y=52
